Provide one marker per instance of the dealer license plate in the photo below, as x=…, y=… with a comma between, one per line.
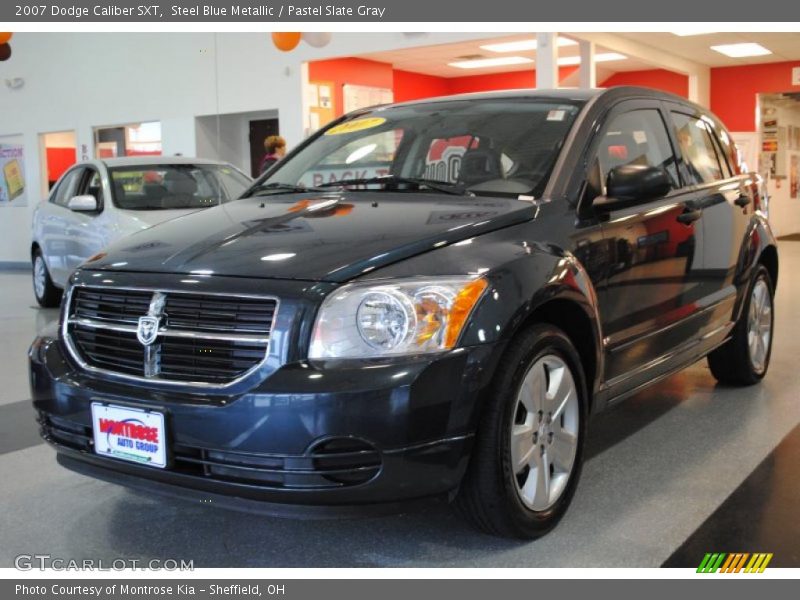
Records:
x=129, y=434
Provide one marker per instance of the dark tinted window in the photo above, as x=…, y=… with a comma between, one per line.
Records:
x=638, y=137
x=67, y=187
x=700, y=161
x=93, y=186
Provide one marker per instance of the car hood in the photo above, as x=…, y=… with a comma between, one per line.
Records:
x=143, y=219
x=317, y=237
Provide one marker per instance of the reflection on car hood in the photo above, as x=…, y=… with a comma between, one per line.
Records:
x=318, y=237
x=148, y=218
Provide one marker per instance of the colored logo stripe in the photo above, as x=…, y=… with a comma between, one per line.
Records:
x=734, y=563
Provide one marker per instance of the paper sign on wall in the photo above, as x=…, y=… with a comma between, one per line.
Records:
x=12, y=173
x=796, y=76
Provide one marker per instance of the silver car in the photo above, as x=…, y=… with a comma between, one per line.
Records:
x=97, y=202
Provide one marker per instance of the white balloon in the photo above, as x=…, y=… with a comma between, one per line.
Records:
x=317, y=39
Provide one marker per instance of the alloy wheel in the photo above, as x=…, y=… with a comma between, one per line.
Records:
x=39, y=276
x=759, y=325
x=544, y=432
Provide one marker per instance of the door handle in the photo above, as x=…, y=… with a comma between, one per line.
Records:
x=742, y=201
x=690, y=216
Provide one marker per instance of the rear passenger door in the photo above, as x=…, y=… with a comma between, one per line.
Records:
x=648, y=302
x=706, y=160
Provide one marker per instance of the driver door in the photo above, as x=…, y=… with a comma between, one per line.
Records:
x=649, y=297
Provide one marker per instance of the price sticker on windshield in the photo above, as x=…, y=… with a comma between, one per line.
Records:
x=356, y=125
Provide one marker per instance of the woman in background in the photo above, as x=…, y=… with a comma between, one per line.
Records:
x=275, y=146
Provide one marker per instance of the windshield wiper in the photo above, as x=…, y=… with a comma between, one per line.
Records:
x=277, y=187
x=444, y=187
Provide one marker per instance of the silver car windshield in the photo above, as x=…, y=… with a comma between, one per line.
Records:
x=179, y=186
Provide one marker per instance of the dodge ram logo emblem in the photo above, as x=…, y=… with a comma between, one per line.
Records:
x=147, y=330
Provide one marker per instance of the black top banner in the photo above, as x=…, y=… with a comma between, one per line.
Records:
x=361, y=11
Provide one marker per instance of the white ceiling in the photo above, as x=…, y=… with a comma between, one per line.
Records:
x=433, y=60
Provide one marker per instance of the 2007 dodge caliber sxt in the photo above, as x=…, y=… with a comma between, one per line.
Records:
x=423, y=300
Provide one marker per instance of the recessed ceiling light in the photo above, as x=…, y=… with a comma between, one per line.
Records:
x=602, y=57
x=741, y=50
x=522, y=45
x=688, y=32
x=482, y=63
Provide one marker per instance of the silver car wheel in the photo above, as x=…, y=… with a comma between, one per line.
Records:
x=39, y=276
x=544, y=432
x=759, y=325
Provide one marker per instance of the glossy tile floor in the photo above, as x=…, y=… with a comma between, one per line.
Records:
x=681, y=469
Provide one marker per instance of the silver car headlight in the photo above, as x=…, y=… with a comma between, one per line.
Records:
x=396, y=317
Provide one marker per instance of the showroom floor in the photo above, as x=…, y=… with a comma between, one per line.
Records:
x=681, y=469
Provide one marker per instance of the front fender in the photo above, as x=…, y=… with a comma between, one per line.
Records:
x=524, y=277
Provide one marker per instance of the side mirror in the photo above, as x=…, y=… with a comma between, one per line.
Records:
x=630, y=184
x=85, y=203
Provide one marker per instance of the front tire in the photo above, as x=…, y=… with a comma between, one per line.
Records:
x=47, y=294
x=744, y=359
x=529, y=445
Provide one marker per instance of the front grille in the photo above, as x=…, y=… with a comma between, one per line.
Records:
x=199, y=338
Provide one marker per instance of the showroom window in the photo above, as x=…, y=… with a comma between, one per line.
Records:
x=135, y=139
x=638, y=137
x=700, y=161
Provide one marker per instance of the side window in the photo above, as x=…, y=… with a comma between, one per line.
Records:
x=728, y=154
x=67, y=188
x=638, y=137
x=700, y=161
x=93, y=186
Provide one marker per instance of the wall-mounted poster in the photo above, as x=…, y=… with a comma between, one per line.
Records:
x=794, y=176
x=12, y=172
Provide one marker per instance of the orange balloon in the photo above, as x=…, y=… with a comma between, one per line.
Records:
x=5, y=37
x=286, y=40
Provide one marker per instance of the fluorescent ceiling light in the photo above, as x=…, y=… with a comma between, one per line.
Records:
x=741, y=50
x=481, y=63
x=522, y=45
x=689, y=32
x=602, y=57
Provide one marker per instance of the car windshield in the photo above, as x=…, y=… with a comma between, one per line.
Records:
x=502, y=146
x=179, y=186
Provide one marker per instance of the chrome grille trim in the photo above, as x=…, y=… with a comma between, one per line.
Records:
x=164, y=333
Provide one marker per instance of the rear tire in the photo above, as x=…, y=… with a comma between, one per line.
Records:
x=744, y=359
x=47, y=294
x=529, y=445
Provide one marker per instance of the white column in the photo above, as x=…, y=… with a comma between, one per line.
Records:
x=700, y=87
x=546, y=60
x=587, y=75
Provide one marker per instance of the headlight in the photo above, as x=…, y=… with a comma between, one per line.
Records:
x=404, y=316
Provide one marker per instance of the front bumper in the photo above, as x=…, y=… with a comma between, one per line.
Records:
x=309, y=436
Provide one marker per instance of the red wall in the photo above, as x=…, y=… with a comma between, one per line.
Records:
x=734, y=90
x=413, y=86
x=660, y=79
x=58, y=161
